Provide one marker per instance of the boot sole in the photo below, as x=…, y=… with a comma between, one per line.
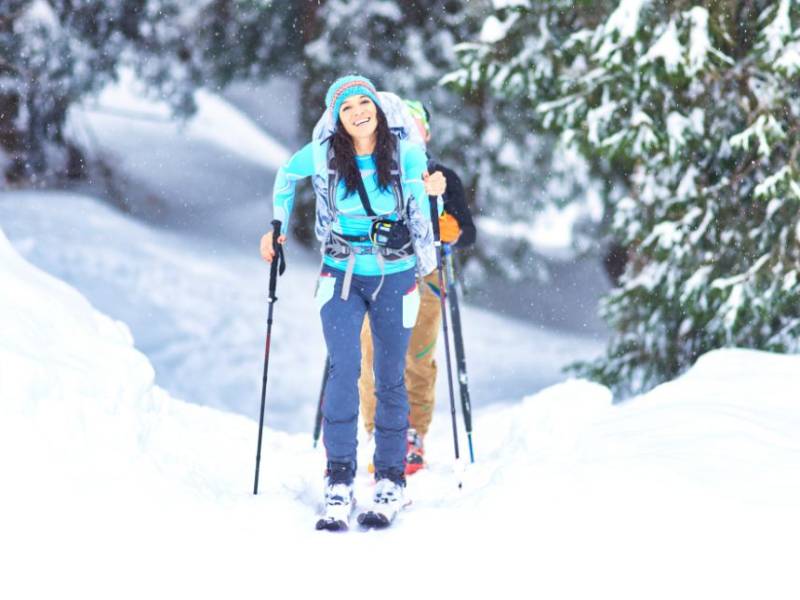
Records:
x=373, y=520
x=331, y=525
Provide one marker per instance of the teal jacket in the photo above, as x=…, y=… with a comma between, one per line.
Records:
x=311, y=161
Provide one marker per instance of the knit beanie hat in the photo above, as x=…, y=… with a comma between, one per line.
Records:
x=418, y=111
x=344, y=87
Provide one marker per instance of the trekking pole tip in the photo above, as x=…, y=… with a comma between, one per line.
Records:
x=459, y=468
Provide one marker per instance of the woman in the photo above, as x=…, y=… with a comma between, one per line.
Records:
x=373, y=219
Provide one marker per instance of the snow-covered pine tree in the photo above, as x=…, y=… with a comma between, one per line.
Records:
x=244, y=39
x=697, y=107
x=512, y=60
x=56, y=51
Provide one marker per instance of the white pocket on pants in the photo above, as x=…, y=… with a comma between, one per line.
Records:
x=411, y=308
x=325, y=287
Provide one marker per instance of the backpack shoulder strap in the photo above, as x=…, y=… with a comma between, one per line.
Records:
x=362, y=194
x=333, y=181
x=397, y=186
x=397, y=175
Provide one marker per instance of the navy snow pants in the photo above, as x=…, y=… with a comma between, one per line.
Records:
x=392, y=316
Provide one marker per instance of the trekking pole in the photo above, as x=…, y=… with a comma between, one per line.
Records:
x=277, y=267
x=318, y=418
x=443, y=301
x=458, y=342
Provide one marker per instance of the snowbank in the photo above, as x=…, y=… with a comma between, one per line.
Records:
x=107, y=481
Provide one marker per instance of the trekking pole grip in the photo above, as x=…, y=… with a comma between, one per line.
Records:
x=277, y=261
x=435, y=218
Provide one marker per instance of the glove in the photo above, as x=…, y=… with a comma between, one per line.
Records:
x=449, y=231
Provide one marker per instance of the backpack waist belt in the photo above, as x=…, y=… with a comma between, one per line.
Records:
x=342, y=247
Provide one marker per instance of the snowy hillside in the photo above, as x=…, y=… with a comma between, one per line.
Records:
x=210, y=175
x=112, y=488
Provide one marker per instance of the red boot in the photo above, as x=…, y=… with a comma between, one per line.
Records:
x=415, y=452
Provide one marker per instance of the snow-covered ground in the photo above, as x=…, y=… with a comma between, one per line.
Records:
x=113, y=488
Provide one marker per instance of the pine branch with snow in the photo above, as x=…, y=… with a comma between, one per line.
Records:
x=56, y=53
x=695, y=107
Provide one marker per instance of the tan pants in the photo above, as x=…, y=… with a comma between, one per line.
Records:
x=420, y=374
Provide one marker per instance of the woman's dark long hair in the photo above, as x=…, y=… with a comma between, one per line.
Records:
x=344, y=154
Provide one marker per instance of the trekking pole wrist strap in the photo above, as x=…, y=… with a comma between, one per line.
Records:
x=279, y=262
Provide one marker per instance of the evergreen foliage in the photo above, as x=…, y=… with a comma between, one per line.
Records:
x=696, y=105
x=55, y=52
x=58, y=51
x=244, y=39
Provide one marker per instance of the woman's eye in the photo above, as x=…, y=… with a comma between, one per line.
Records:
x=345, y=108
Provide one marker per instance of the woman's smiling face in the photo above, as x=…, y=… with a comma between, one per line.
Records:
x=359, y=115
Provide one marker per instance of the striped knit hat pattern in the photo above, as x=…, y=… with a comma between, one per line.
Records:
x=417, y=110
x=344, y=87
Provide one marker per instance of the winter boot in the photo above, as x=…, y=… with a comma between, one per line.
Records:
x=387, y=501
x=415, y=452
x=339, y=500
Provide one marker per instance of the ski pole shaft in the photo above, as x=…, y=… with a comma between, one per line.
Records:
x=443, y=301
x=277, y=261
x=318, y=418
x=458, y=342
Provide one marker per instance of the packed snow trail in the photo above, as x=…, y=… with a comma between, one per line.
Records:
x=112, y=487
